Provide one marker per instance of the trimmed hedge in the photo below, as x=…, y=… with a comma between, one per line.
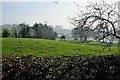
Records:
x=61, y=68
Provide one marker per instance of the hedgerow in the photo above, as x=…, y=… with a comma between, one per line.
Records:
x=61, y=68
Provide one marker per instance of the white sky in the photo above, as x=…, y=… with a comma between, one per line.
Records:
x=31, y=11
x=41, y=0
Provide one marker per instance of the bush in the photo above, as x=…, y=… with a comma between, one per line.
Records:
x=61, y=68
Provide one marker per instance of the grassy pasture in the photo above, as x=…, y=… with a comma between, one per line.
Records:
x=89, y=43
x=42, y=47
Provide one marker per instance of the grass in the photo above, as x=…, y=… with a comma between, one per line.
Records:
x=72, y=41
x=42, y=47
x=89, y=43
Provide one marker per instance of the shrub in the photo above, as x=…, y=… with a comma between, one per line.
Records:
x=61, y=68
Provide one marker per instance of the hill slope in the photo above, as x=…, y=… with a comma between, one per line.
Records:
x=42, y=47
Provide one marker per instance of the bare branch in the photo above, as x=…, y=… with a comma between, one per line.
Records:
x=99, y=13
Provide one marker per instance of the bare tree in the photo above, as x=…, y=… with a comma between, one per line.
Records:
x=84, y=33
x=101, y=17
x=81, y=33
x=75, y=33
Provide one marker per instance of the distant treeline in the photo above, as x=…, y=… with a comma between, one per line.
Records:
x=38, y=30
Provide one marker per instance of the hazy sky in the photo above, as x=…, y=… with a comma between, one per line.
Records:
x=31, y=11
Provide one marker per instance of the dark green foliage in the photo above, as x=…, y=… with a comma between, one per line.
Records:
x=44, y=31
x=23, y=30
x=61, y=68
x=38, y=30
x=15, y=32
x=5, y=33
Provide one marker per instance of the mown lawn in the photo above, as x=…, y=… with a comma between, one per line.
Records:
x=42, y=47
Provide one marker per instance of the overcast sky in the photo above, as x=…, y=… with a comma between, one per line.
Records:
x=31, y=11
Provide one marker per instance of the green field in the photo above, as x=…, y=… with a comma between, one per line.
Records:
x=42, y=47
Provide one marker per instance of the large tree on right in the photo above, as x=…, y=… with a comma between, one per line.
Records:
x=101, y=17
